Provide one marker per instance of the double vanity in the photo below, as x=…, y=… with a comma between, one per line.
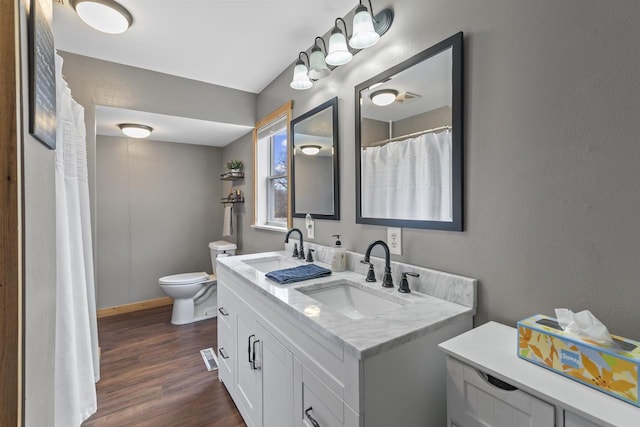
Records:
x=337, y=350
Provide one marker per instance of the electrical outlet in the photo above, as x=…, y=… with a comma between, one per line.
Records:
x=309, y=223
x=394, y=240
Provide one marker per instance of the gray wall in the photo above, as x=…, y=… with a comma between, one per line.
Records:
x=39, y=261
x=427, y=120
x=314, y=181
x=96, y=82
x=159, y=207
x=247, y=239
x=551, y=152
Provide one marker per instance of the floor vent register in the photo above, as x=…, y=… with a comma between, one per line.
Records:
x=210, y=359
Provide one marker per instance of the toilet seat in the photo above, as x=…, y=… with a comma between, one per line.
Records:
x=184, y=278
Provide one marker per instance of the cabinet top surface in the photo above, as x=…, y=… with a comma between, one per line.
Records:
x=492, y=348
x=363, y=337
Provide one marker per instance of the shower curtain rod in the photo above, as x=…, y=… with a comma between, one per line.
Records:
x=409, y=135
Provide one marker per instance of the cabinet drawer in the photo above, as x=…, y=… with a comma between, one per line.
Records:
x=475, y=399
x=314, y=400
x=573, y=420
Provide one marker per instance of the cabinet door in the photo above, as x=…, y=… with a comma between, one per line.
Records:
x=276, y=365
x=247, y=378
x=226, y=311
x=474, y=401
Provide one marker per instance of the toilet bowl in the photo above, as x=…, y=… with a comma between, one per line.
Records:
x=195, y=294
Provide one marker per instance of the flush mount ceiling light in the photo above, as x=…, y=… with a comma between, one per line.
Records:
x=310, y=150
x=107, y=16
x=300, y=78
x=384, y=97
x=317, y=65
x=338, y=51
x=135, y=131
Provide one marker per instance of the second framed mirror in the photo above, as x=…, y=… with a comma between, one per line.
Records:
x=314, y=166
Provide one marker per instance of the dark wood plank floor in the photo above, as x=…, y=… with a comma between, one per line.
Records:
x=152, y=374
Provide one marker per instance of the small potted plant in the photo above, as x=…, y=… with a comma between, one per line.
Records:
x=235, y=166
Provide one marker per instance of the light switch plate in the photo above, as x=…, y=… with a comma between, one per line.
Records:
x=394, y=240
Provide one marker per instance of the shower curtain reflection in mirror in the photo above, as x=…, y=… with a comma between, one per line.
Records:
x=408, y=179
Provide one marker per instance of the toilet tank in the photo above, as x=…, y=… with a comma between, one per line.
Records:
x=218, y=248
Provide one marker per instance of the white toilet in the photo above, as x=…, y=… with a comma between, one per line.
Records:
x=195, y=294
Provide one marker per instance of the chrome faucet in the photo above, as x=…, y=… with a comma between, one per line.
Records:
x=387, y=280
x=300, y=254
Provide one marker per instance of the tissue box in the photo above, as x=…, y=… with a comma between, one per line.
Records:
x=608, y=369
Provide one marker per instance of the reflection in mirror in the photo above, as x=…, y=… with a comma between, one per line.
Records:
x=315, y=162
x=409, y=142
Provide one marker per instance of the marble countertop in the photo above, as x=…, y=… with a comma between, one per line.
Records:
x=419, y=314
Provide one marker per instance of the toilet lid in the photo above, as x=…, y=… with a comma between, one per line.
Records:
x=184, y=278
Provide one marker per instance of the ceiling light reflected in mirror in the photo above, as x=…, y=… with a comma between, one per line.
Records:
x=384, y=97
x=135, y=130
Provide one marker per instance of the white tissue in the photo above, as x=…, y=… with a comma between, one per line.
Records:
x=584, y=325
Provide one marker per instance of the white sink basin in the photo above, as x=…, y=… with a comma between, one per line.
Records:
x=352, y=300
x=272, y=263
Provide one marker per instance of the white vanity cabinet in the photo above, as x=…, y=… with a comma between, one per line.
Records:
x=488, y=385
x=257, y=362
x=285, y=370
x=271, y=387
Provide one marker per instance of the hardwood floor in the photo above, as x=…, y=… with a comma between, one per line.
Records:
x=153, y=374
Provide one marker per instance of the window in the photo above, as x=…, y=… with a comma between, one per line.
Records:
x=271, y=168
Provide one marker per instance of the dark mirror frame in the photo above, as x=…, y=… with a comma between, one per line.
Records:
x=333, y=104
x=454, y=42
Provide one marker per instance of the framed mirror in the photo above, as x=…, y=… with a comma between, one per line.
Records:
x=314, y=165
x=409, y=142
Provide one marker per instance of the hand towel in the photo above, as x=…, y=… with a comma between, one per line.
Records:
x=227, y=226
x=298, y=274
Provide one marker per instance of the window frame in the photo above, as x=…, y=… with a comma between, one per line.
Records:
x=263, y=219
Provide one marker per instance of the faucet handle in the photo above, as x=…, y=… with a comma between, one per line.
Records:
x=371, y=275
x=295, y=250
x=404, y=282
x=309, y=255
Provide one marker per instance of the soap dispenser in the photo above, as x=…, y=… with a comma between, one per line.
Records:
x=338, y=256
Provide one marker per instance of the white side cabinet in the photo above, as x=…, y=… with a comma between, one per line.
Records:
x=475, y=399
x=488, y=385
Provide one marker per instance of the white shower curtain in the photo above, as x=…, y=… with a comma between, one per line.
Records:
x=408, y=179
x=76, y=344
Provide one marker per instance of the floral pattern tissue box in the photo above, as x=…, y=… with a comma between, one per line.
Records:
x=610, y=369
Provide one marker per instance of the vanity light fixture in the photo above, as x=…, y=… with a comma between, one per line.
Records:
x=384, y=97
x=135, y=131
x=338, y=51
x=107, y=16
x=300, y=77
x=317, y=65
x=366, y=33
x=310, y=150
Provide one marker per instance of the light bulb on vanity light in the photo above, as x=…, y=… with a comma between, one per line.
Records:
x=107, y=16
x=364, y=35
x=135, y=130
x=300, y=79
x=317, y=65
x=338, y=51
